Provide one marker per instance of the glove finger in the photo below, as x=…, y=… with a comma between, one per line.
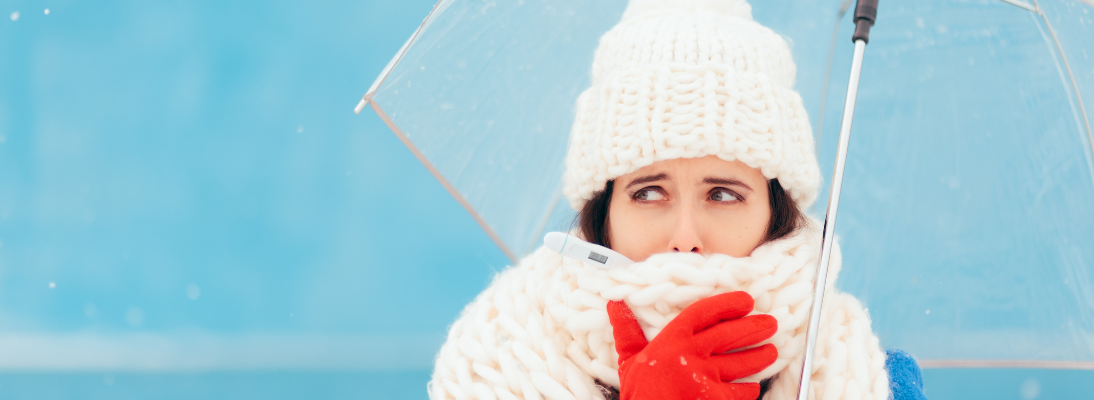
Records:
x=734, y=366
x=629, y=338
x=736, y=391
x=737, y=333
x=711, y=310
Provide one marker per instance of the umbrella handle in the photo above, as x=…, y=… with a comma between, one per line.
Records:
x=865, y=14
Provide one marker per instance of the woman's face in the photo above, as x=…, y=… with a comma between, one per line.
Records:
x=704, y=205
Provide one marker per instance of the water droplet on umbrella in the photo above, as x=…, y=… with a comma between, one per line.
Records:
x=1030, y=389
x=193, y=292
x=134, y=317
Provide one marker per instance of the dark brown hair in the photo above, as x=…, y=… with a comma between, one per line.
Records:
x=786, y=217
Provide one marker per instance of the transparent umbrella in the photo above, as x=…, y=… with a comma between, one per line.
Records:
x=967, y=214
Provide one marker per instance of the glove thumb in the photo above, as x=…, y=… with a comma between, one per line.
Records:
x=629, y=338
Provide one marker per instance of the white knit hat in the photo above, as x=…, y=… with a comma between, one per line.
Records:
x=690, y=78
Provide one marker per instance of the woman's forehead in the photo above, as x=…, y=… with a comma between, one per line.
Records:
x=700, y=170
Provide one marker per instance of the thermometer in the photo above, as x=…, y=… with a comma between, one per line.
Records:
x=595, y=255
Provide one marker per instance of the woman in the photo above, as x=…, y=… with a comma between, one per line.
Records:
x=692, y=155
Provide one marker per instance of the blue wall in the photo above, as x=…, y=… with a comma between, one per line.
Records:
x=180, y=178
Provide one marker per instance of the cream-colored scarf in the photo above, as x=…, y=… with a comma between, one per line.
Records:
x=541, y=329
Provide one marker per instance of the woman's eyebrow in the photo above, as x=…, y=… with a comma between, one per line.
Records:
x=726, y=181
x=646, y=179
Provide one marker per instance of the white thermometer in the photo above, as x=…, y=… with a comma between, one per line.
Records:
x=595, y=255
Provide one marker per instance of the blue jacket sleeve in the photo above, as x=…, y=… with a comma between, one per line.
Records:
x=905, y=378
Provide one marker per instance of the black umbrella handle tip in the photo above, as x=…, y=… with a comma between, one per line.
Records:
x=865, y=15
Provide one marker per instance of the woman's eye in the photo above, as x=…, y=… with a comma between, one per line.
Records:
x=723, y=195
x=648, y=195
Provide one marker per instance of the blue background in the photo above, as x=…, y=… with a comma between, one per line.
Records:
x=150, y=148
x=188, y=175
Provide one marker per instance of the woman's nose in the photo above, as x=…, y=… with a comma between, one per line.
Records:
x=685, y=237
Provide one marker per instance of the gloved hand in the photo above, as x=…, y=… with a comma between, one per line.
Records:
x=686, y=360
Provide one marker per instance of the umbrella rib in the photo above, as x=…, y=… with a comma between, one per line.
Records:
x=1020, y=4
x=828, y=74
x=1071, y=77
x=1026, y=364
x=444, y=182
x=542, y=226
x=395, y=60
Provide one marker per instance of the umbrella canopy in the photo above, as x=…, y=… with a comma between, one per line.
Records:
x=969, y=194
x=483, y=93
x=968, y=202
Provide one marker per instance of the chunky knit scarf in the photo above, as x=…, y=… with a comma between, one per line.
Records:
x=541, y=329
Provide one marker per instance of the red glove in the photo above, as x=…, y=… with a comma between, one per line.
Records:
x=686, y=360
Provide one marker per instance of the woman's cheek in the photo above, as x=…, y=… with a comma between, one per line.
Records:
x=733, y=232
x=634, y=237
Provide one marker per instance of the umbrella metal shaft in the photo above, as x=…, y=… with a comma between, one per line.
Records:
x=828, y=235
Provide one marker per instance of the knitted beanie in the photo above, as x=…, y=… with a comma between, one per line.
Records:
x=690, y=78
